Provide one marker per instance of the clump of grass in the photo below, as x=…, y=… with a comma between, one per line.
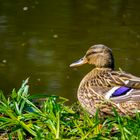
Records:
x=22, y=118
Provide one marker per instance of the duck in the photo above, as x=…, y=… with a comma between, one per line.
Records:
x=104, y=88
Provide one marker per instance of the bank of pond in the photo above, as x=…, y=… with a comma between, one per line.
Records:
x=25, y=116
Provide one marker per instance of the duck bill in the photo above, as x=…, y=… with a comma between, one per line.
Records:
x=79, y=62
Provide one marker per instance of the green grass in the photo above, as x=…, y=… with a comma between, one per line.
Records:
x=23, y=117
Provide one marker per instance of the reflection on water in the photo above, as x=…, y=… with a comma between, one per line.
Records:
x=39, y=39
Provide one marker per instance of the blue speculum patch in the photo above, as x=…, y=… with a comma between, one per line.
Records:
x=121, y=91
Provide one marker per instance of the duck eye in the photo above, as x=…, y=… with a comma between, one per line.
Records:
x=90, y=53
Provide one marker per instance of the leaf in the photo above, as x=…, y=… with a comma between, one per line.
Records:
x=2, y=98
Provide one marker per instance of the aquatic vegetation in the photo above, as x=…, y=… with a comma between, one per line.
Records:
x=24, y=117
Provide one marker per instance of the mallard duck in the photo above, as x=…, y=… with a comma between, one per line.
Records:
x=104, y=88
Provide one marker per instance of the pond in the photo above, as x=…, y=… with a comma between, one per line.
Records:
x=40, y=39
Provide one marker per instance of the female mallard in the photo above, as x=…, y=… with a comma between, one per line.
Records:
x=104, y=88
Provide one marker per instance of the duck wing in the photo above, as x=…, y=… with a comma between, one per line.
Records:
x=132, y=95
x=126, y=87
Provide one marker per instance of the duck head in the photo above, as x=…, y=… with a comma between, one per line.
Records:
x=98, y=55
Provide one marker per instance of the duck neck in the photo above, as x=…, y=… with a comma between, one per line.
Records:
x=101, y=70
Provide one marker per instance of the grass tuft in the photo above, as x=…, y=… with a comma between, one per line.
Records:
x=24, y=117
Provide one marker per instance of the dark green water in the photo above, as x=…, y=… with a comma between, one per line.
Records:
x=39, y=39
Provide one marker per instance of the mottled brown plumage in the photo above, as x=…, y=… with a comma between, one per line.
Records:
x=103, y=87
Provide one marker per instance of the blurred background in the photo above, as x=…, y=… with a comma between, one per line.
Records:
x=39, y=39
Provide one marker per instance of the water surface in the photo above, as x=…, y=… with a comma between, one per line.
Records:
x=39, y=39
